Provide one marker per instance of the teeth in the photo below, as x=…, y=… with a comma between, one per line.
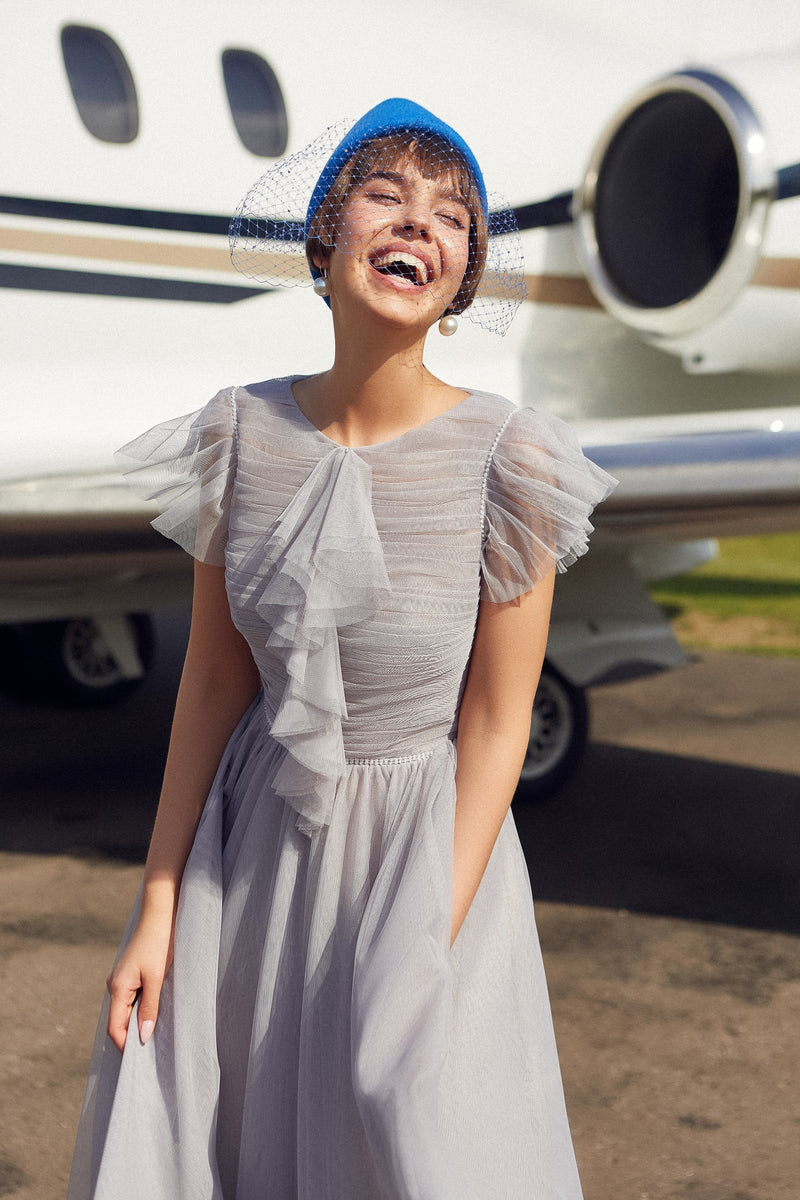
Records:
x=409, y=260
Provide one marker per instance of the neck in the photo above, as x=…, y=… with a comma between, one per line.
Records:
x=381, y=371
x=376, y=389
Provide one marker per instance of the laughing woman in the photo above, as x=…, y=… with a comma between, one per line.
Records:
x=331, y=986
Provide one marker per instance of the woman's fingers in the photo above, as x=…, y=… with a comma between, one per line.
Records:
x=124, y=993
x=139, y=974
x=123, y=997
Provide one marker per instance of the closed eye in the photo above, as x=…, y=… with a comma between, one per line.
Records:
x=452, y=219
x=383, y=197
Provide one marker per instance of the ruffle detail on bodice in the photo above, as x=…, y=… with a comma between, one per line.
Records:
x=188, y=466
x=323, y=570
x=540, y=492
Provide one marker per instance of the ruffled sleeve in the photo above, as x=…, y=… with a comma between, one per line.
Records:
x=187, y=466
x=540, y=492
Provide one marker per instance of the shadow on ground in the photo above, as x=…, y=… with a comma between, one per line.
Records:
x=670, y=835
x=638, y=830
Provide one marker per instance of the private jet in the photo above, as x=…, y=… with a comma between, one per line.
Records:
x=651, y=155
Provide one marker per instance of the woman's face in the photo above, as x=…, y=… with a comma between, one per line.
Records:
x=402, y=245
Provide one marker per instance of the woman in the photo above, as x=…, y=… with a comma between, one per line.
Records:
x=331, y=986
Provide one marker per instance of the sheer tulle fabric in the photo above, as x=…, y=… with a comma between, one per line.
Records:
x=318, y=1038
x=187, y=465
x=540, y=493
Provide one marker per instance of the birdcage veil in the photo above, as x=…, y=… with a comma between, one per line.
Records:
x=297, y=206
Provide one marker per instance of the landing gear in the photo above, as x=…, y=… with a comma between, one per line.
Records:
x=83, y=661
x=559, y=731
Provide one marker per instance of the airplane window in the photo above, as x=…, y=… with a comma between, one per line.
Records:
x=256, y=101
x=101, y=83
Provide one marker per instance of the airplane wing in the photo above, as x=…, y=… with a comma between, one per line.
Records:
x=684, y=485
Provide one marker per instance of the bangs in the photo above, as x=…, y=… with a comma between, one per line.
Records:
x=432, y=156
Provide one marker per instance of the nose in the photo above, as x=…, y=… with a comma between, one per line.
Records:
x=414, y=221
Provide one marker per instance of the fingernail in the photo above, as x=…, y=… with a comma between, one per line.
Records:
x=146, y=1031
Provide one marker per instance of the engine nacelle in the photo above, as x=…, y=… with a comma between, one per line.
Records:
x=679, y=221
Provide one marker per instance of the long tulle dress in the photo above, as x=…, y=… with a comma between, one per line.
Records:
x=318, y=1038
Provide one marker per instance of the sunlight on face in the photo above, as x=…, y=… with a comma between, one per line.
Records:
x=409, y=235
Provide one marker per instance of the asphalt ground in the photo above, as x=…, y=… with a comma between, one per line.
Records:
x=667, y=878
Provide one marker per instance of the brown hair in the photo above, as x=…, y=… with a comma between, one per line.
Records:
x=434, y=157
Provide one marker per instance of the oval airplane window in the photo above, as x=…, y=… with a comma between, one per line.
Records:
x=256, y=102
x=101, y=82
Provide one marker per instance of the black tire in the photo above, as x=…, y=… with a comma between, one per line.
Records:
x=70, y=662
x=559, y=732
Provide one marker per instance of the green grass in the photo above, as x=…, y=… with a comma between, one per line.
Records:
x=747, y=599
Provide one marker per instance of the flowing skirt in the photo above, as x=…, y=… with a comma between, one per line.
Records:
x=317, y=1037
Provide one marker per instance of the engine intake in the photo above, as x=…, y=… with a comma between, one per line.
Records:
x=671, y=214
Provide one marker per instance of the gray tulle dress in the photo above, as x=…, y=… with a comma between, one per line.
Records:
x=317, y=1037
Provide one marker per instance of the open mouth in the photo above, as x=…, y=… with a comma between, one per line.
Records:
x=402, y=265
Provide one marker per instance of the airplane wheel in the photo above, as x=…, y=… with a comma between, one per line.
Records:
x=83, y=661
x=559, y=732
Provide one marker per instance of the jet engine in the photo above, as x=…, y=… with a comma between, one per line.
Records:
x=688, y=216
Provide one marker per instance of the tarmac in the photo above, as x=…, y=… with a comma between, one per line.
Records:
x=667, y=881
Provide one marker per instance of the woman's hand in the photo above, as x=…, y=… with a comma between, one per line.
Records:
x=493, y=729
x=140, y=970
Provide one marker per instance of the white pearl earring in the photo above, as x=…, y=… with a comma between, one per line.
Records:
x=320, y=284
x=448, y=325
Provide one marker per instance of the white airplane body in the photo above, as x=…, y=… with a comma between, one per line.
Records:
x=120, y=307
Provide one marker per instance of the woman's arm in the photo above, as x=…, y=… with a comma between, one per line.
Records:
x=493, y=730
x=218, y=683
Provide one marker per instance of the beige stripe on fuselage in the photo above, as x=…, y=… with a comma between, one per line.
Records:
x=572, y=291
